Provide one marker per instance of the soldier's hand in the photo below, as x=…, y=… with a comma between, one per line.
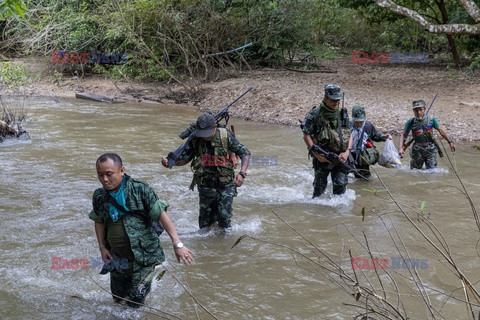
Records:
x=401, y=152
x=343, y=157
x=106, y=255
x=452, y=146
x=165, y=162
x=184, y=254
x=238, y=180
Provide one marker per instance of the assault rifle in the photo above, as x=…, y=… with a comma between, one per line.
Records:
x=335, y=161
x=344, y=114
x=406, y=145
x=190, y=132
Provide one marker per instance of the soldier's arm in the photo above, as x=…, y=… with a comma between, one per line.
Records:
x=445, y=136
x=239, y=149
x=401, y=143
x=100, y=232
x=182, y=253
x=377, y=136
x=185, y=158
x=309, y=142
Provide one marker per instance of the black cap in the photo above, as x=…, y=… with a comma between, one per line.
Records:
x=205, y=125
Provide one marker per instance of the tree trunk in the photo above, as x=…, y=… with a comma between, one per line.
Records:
x=453, y=49
x=451, y=40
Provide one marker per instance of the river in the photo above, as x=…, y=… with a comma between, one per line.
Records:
x=45, y=197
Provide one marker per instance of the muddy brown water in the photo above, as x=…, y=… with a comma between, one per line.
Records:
x=45, y=196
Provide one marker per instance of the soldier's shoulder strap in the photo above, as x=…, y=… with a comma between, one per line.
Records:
x=224, y=138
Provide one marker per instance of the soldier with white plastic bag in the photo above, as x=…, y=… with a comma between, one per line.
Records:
x=389, y=157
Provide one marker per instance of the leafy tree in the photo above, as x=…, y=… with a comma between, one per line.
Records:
x=12, y=7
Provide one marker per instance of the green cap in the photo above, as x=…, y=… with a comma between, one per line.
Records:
x=358, y=113
x=332, y=91
x=418, y=104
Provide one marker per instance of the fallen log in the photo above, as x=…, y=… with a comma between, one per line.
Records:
x=472, y=104
x=94, y=97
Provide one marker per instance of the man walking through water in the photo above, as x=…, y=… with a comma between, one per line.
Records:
x=322, y=126
x=424, y=148
x=213, y=158
x=123, y=211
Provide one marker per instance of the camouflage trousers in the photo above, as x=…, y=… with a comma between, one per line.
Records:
x=130, y=283
x=216, y=205
x=322, y=170
x=423, y=153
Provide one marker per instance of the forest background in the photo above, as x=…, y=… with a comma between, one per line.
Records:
x=188, y=46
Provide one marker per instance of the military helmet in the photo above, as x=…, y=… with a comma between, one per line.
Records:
x=358, y=113
x=418, y=104
x=332, y=91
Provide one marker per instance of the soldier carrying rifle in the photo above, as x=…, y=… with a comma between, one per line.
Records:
x=322, y=130
x=425, y=147
x=213, y=151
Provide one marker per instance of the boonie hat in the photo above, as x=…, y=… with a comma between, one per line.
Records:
x=418, y=104
x=358, y=113
x=332, y=91
x=205, y=125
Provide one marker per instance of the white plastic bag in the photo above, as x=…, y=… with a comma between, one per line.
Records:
x=389, y=157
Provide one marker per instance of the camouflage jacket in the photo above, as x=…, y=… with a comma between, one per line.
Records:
x=324, y=133
x=213, y=159
x=144, y=241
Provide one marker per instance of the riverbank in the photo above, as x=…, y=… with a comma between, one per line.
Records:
x=285, y=96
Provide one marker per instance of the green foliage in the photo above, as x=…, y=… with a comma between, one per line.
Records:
x=13, y=74
x=175, y=38
x=475, y=64
x=10, y=8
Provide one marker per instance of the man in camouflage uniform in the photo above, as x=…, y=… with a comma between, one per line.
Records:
x=322, y=126
x=213, y=162
x=124, y=234
x=361, y=141
x=424, y=148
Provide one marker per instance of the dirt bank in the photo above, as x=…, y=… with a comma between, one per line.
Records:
x=282, y=96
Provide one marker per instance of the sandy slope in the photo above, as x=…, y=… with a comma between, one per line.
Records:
x=282, y=96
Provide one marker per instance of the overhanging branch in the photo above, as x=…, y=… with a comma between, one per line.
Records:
x=460, y=28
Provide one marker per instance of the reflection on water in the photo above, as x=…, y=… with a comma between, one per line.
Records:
x=47, y=184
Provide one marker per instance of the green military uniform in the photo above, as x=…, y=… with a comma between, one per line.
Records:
x=213, y=164
x=324, y=126
x=130, y=238
x=423, y=150
x=363, y=151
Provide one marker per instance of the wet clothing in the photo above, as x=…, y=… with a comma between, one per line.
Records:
x=213, y=164
x=145, y=248
x=216, y=205
x=324, y=126
x=423, y=150
x=363, y=152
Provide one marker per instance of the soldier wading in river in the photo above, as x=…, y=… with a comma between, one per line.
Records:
x=425, y=147
x=213, y=163
x=323, y=126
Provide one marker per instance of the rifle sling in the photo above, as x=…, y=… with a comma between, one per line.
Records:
x=359, y=144
x=340, y=134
